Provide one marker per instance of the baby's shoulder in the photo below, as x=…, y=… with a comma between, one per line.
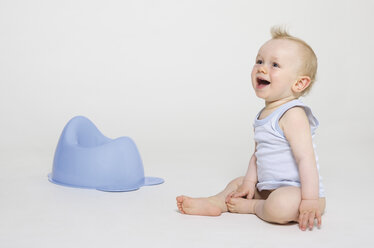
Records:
x=294, y=117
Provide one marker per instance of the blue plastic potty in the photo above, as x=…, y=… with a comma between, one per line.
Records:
x=85, y=158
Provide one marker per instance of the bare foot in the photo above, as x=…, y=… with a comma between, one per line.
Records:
x=241, y=205
x=198, y=206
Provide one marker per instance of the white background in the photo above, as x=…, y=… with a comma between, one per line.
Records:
x=174, y=76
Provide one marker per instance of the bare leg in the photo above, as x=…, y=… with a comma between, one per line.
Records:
x=209, y=206
x=242, y=205
x=247, y=206
x=281, y=206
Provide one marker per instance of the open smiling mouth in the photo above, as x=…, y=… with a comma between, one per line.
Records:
x=262, y=82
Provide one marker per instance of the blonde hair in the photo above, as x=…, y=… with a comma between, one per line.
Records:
x=309, y=67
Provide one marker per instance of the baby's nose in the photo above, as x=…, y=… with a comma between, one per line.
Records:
x=262, y=69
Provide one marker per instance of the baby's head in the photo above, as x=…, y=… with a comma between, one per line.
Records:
x=284, y=61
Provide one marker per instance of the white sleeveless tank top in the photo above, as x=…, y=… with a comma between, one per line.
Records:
x=276, y=166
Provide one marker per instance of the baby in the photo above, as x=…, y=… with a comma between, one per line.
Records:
x=282, y=183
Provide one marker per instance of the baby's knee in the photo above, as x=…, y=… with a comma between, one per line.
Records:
x=282, y=207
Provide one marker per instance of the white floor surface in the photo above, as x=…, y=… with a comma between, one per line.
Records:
x=37, y=213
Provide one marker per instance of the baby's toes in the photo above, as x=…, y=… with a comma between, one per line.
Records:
x=231, y=206
x=232, y=201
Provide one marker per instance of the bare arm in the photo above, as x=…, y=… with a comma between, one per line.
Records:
x=296, y=128
x=247, y=188
x=251, y=175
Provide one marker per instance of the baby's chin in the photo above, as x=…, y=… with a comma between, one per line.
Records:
x=260, y=95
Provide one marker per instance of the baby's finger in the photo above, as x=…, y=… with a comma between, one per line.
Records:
x=238, y=194
x=311, y=220
x=250, y=195
x=229, y=196
x=300, y=219
x=319, y=219
x=304, y=221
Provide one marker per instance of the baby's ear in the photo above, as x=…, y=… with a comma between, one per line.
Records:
x=301, y=84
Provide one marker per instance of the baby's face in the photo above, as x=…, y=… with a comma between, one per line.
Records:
x=277, y=69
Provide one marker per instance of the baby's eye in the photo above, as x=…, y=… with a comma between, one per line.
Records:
x=259, y=61
x=275, y=64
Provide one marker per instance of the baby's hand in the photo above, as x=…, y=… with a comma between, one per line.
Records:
x=246, y=189
x=309, y=210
